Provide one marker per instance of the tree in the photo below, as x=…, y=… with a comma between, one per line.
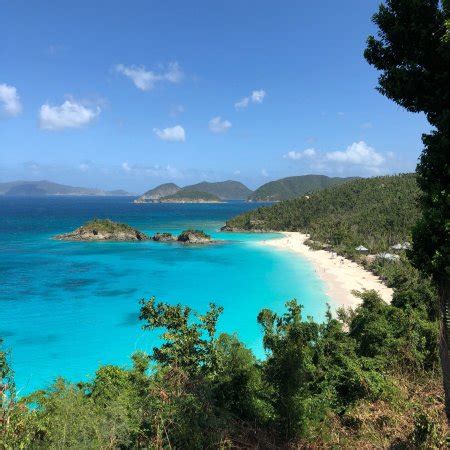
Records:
x=413, y=53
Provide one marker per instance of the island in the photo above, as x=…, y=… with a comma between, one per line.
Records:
x=188, y=196
x=194, y=237
x=185, y=237
x=164, y=237
x=155, y=194
x=104, y=230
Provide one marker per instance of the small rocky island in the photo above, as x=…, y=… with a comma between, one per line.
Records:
x=186, y=237
x=194, y=237
x=164, y=237
x=104, y=230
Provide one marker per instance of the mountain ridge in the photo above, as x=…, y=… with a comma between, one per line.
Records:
x=295, y=186
x=44, y=187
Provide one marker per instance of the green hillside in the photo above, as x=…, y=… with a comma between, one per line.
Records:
x=191, y=195
x=163, y=190
x=374, y=212
x=292, y=187
x=226, y=190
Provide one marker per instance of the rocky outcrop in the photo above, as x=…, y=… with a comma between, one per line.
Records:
x=164, y=237
x=104, y=230
x=230, y=228
x=194, y=237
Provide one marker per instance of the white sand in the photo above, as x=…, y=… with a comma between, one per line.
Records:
x=340, y=275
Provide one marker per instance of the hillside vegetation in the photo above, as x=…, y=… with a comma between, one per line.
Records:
x=190, y=196
x=374, y=212
x=365, y=380
x=291, y=187
x=225, y=190
x=159, y=191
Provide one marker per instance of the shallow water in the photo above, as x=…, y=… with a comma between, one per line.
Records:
x=66, y=307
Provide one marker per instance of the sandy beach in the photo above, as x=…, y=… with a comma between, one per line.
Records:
x=340, y=275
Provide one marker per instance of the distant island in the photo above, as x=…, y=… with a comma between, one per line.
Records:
x=188, y=196
x=44, y=188
x=273, y=191
x=220, y=191
x=292, y=187
x=104, y=230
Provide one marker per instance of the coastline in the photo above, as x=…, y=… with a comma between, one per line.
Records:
x=340, y=275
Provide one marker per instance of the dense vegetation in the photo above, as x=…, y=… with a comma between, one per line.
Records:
x=225, y=190
x=366, y=379
x=191, y=196
x=412, y=52
x=107, y=225
x=373, y=212
x=159, y=191
x=291, y=187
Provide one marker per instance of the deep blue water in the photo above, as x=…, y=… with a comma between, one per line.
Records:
x=66, y=307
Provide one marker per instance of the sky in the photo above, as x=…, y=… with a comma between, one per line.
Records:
x=128, y=95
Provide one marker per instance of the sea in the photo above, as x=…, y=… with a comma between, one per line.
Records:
x=68, y=307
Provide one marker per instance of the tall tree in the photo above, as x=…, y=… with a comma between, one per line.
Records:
x=412, y=50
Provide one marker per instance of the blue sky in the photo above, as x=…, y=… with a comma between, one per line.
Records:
x=117, y=94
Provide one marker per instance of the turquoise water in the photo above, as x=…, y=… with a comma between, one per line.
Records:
x=67, y=307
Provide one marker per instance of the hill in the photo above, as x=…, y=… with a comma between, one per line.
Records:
x=156, y=193
x=225, y=190
x=373, y=212
x=291, y=187
x=44, y=187
x=190, y=196
x=103, y=230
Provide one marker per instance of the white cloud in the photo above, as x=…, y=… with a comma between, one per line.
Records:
x=125, y=167
x=358, y=153
x=308, y=153
x=10, y=100
x=254, y=97
x=237, y=172
x=217, y=125
x=258, y=96
x=145, y=80
x=174, y=134
x=70, y=114
x=84, y=167
x=264, y=173
x=241, y=104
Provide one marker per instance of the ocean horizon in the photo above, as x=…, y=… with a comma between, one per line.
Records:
x=69, y=307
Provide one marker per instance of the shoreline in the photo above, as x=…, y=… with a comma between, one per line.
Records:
x=340, y=275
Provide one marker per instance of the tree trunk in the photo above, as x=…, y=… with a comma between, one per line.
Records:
x=444, y=344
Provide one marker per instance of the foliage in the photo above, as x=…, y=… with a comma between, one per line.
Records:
x=106, y=225
x=226, y=190
x=291, y=187
x=209, y=391
x=191, y=195
x=187, y=235
x=374, y=212
x=413, y=54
